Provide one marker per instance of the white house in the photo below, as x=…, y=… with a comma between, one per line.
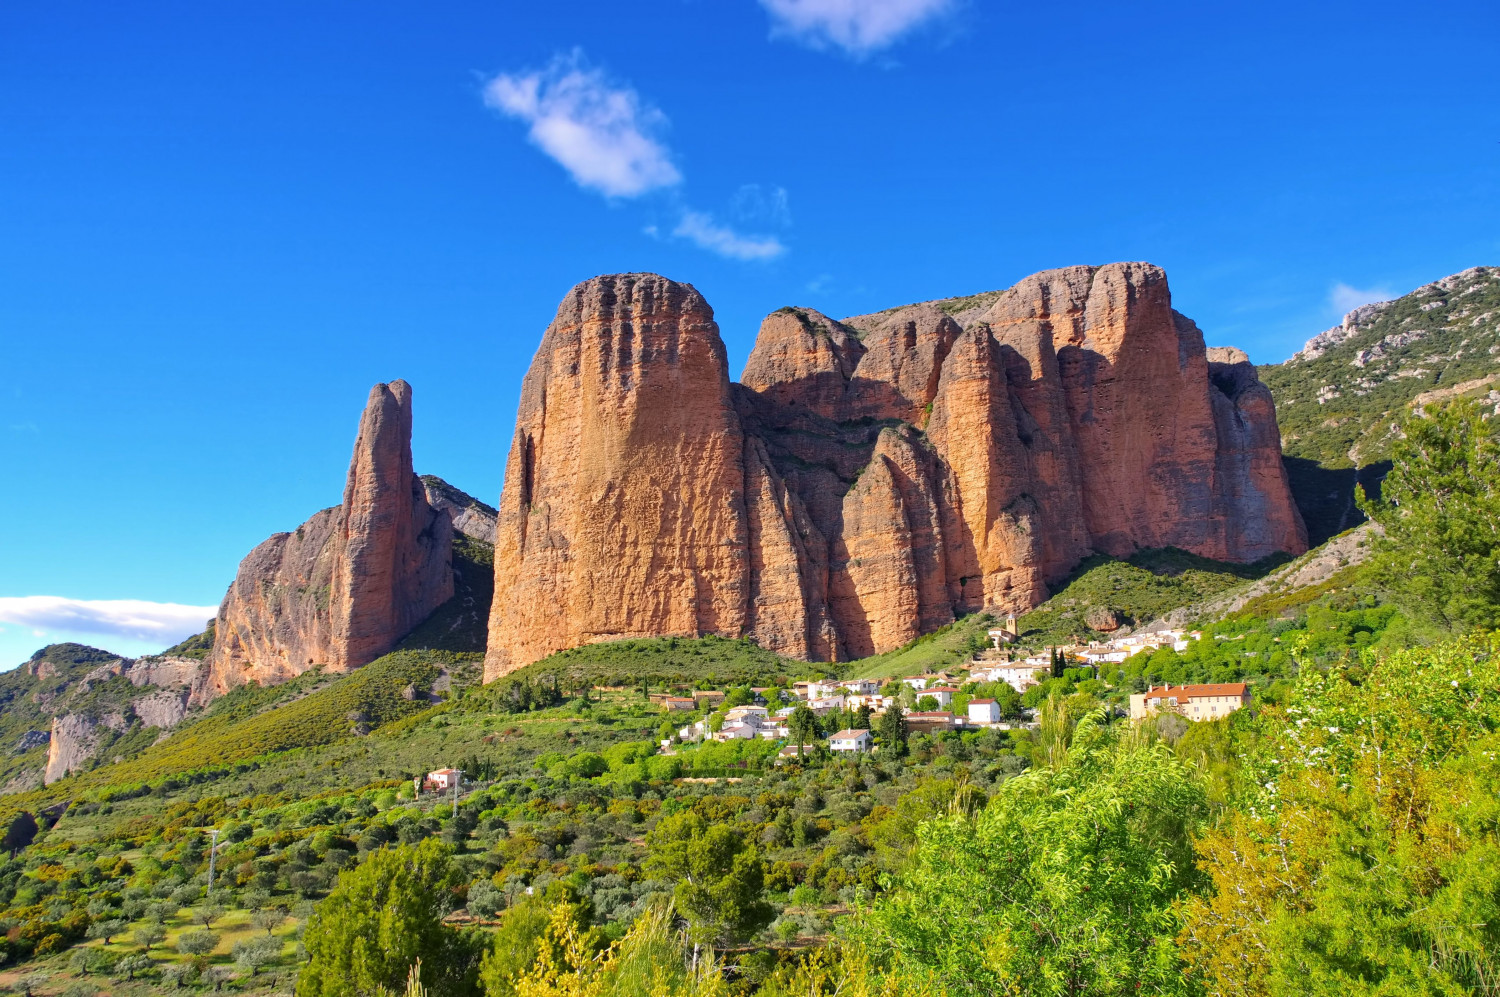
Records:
x=943, y=694
x=730, y=732
x=919, y=682
x=851, y=740
x=443, y=778
x=827, y=704
x=746, y=714
x=984, y=711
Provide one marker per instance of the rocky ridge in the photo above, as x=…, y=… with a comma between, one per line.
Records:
x=350, y=582
x=1338, y=398
x=871, y=478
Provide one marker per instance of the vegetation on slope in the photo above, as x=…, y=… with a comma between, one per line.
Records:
x=710, y=661
x=462, y=623
x=1132, y=591
x=1336, y=411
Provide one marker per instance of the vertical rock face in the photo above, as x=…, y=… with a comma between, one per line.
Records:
x=350, y=582
x=872, y=478
x=623, y=511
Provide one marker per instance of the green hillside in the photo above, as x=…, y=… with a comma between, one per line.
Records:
x=1335, y=409
x=1137, y=590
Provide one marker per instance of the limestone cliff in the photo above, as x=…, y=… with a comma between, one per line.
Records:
x=869, y=478
x=350, y=582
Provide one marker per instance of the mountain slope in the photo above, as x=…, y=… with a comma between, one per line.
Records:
x=1337, y=398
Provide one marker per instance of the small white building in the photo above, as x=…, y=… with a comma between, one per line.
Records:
x=826, y=705
x=746, y=714
x=943, y=694
x=851, y=740
x=740, y=731
x=443, y=778
x=984, y=711
x=877, y=703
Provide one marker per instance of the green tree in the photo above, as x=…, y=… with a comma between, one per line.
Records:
x=383, y=915
x=1066, y=883
x=268, y=919
x=926, y=704
x=891, y=729
x=513, y=949
x=1440, y=510
x=802, y=725
x=255, y=953
x=1366, y=859
x=862, y=718
x=108, y=928
x=197, y=943
x=720, y=877
x=149, y=934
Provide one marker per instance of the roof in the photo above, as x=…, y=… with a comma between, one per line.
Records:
x=443, y=772
x=930, y=715
x=848, y=735
x=942, y=688
x=1198, y=691
x=980, y=702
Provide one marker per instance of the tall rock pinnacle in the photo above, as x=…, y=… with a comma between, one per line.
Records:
x=623, y=507
x=351, y=581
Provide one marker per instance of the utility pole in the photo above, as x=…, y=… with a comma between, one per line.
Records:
x=212, y=850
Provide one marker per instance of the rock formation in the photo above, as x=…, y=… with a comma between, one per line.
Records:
x=350, y=582
x=869, y=479
x=468, y=515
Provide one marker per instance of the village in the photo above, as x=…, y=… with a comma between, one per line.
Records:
x=946, y=701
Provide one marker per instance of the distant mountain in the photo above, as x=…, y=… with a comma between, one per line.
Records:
x=1337, y=399
x=72, y=706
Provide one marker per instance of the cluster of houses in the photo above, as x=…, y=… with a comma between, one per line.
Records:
x=766, y=717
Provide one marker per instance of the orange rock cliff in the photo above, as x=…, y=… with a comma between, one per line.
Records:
x=351, y=581
x=867, y=480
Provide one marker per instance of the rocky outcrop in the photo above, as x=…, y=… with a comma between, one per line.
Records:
x=32, y=739
x=75, y=738
x=870, y=478
x=350, y=582
x=163, y=708
x=468, y=515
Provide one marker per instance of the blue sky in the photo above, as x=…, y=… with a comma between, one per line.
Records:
x=221, y=223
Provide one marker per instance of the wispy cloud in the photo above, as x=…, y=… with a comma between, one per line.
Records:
x=161, y=622
x=761, y=205
x=699, y=228
x=600, y=131
x=1345, y=298
x=607, y=137
x=859, y=27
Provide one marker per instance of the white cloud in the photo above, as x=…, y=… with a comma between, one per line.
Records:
x=699, y=228
x=602, y=133
x=755, y=204
x=1345, y=298
x=859, y=27
x=164, y=623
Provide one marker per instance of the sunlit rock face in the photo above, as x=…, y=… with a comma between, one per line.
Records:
x=868, y=479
